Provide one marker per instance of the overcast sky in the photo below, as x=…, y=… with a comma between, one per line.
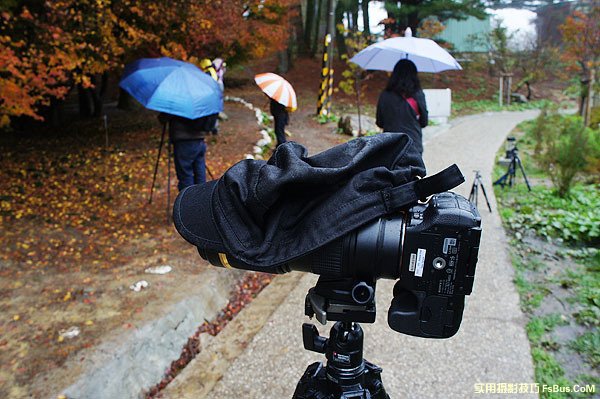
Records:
x=515, y=20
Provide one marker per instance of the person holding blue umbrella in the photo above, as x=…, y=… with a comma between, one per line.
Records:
x=189, y=101
x=189, y=147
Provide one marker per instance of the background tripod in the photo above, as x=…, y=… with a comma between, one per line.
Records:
x=511, y=172
x=477, y=183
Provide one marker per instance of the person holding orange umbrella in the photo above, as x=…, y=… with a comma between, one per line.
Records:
x=283, y=98
x=281, y=119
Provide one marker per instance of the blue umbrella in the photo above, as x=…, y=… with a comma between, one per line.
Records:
x=172, y=86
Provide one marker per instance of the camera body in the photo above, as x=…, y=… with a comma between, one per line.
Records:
x=437, y=268
x=431, y=249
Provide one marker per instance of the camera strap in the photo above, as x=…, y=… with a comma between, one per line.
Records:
x=395, y=198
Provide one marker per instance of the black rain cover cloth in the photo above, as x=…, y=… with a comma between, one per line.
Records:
x=265, y=213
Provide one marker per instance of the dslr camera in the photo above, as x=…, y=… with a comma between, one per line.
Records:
x=430, y=249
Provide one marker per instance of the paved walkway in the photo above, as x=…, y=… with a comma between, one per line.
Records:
x=260, y=354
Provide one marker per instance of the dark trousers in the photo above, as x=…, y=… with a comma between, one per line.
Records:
x=280, y=123
x=190, y=162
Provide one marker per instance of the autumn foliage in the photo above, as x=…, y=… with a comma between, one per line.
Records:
x=47, y=48
x=581, y=37
x=30, y=72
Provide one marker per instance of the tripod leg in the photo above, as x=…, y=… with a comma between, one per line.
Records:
x=502, y=180
x=162, y=140
x=486, y=197
x=472, y=194
x=209, y=173
x=168, y=182
x=511, y=172
x=524, y=175
x=475, y=197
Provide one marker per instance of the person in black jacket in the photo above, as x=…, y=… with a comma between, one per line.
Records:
x=281, y=119
x=401, y=107
x=189, y=148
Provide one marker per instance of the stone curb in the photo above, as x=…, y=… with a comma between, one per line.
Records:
x=128, y=365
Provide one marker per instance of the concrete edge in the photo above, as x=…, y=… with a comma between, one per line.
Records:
x=130, y=364
x=200, y=376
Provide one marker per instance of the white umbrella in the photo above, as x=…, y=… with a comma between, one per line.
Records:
x=427, y=55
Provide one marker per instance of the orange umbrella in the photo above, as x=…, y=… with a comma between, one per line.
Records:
x=277, y=88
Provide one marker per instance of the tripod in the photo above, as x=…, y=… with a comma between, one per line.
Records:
x=477, y=183
x=512, y=168
x=346, y=375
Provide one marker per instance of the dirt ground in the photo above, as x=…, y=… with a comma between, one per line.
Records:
x=56, y=275
x=77, y=231
x=76, y=228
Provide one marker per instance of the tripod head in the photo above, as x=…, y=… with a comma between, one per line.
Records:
x=511, y=148
x=346, y=375
x=346, y=299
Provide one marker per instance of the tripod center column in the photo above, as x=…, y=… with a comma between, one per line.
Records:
x=345, y=364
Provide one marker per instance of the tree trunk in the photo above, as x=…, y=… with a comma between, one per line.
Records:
x=311, y=17
x=413, y=21
x=125, y=101
x=295, y=42
x=318, y=25
x=354, y=11
x=85, y=102
x=98, y=93
x=284, y=61
x=330, y=51
x=91, y=99
x=331, y=27
x=583, y=95
x=55, y=114
x=340, y=40
x=365, y=14
x=589, y=97
x=528, y=90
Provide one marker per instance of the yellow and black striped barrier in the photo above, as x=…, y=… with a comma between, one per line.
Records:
x=330, y=91
x=326, y=88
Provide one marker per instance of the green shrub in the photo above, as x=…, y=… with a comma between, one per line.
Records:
x=566, y=151
x=595, y=118
x=544, y=125
x=322, y=118
x=593, y=156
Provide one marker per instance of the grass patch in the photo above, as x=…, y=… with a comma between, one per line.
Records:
x=588, y=344
x=531, y=293
x=564, y=266
x=477, y=106
x=585, y=282
x=548, y=372
x=539, y=326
